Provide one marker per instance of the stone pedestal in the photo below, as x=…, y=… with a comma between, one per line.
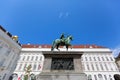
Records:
x=62, y=65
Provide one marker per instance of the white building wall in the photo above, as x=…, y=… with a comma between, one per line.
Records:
x=95, y=62
x=35, y=59
x=103, y=65
x=9, y=50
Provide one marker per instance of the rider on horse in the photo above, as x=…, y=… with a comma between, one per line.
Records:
x=62, y=38
x=63, y=41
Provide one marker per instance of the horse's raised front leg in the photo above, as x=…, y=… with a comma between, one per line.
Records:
x=67, y=47
x=57, y=47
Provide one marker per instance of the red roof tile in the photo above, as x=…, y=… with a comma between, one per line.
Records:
x=49, y=46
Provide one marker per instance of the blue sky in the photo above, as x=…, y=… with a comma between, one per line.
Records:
x=42, y=21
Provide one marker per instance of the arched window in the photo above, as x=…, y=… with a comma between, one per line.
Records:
x=100, y=77
x=110, y=77
x=95, y=77
x=89, y=77
x=105, y=77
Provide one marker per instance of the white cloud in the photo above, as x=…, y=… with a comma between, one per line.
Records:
x=60, y=14
x=63, y=14
x=66, y=14
x=116, y=51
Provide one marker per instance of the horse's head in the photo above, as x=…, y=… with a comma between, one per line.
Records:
x=70, y=37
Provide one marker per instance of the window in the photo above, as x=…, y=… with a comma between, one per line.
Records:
x=103, y=59
x=97, y=66
x=95, y=77
x=106, y=66
x=28, y=58
x=92, y=66
x=98, y=58
x=89, y=77
x=101, y=66
x=111, y=59
x=36, y=58
x=105, y=77
x=34, y=67
x=40, y=58
x=110, y=77
x=110, y=64
x=90, y=58
x=94, y=58
x=88, y=67
x=86, y=58
x=116, y=68
x=39, y=66
x=23, y=58
x=100, y=76
x=32, y=58
x=25, y=66
x=20, y=67
x=107, y=59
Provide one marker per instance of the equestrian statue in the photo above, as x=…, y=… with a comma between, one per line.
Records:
x=63, y=41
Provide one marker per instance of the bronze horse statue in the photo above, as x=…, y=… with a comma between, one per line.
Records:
x=62, y=42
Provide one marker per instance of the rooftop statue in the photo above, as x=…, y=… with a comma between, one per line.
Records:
x=63, y=41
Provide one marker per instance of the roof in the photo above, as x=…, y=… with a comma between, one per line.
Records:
x=9, y=34
x=49, y=46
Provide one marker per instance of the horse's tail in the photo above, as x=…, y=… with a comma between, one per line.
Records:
x=52, y=48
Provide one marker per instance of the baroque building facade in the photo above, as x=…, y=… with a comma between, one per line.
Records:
x=117, y=60
x=9, y=53
x=97, y=62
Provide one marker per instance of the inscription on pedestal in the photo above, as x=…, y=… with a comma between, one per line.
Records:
x=62, y=64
